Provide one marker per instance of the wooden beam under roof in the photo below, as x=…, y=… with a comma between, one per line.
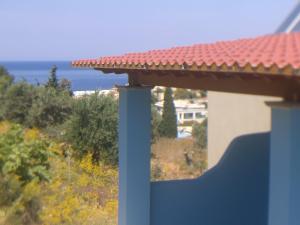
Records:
x=287, y=87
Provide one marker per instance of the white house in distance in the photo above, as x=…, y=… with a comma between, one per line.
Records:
x=113, y=92
x=241, y=113
x=187, y=110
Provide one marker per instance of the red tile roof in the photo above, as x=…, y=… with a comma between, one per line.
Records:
x=270, y=54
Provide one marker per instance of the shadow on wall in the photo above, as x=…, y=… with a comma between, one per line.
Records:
x=235, y=192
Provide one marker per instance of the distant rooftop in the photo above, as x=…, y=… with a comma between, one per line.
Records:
x=187, y=104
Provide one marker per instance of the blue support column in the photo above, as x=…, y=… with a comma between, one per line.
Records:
x=284, y=196
x=134, y=155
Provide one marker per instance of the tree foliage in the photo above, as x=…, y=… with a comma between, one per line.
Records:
x=88, y=193
x=35, y=106
x=181, y=93
x=17, y=102
x=65, y=86
x=49, y=108
x=53, y=81
x=93, y=119
x=92, y=127
x=168, y=125
x=79, y=192
x=23, y=166
x=5, y=81
x=23, y=155
x=203, y=94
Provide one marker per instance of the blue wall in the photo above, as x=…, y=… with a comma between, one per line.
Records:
x=235, y=192
x=284, y=165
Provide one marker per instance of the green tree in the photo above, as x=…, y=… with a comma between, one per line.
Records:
x=184, y=94
x=168, y=125
x=5, y=81
x=23, y=166
x=49, y=108
x=200, y=134
x=17, y=102
x=53, y=81
x=23, y=156
x=203, y=94
x=92, y=128
x=65, y=86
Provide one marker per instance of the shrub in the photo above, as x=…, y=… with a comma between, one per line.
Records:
x=184, y=94
x=56, y=84
x=65, y=85
x=186, y=161
x=200, y=134
x=49, y=108
x=52, y=80
x=87, y=193
x=23, y=155
x=92, y=127
x=23, y=166
x=5, y=81
x=17, y=102
x=34, y=106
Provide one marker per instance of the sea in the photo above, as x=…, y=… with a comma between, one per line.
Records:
x=37, y=72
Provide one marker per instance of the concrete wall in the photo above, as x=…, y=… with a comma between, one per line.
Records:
x=235, y=192
x=232, y=115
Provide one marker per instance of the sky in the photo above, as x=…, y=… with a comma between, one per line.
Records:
x=75, y=29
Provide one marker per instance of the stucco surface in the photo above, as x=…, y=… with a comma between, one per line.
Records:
x=232, y=115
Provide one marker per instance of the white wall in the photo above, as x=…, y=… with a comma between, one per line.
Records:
x=232, y=115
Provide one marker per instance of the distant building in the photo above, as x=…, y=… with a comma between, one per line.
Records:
x=187, y=110
x=113, y=92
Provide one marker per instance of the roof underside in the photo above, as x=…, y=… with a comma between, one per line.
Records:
x=274, y=60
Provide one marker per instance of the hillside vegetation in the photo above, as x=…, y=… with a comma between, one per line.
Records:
x=40, y=185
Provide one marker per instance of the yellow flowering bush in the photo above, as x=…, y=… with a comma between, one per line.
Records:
x=4, y=126
x=80, y=193
x=24, y=167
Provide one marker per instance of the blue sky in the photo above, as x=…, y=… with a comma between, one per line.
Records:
x=72, y=29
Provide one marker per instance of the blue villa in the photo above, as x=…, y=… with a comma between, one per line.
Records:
x=257, y=180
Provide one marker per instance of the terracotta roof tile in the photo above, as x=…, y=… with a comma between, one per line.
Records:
x=277, y=51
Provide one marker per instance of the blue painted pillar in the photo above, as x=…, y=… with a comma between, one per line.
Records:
x=134, y=155
x=284, y=196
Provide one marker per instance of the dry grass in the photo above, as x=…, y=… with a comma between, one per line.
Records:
x=177, y=159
